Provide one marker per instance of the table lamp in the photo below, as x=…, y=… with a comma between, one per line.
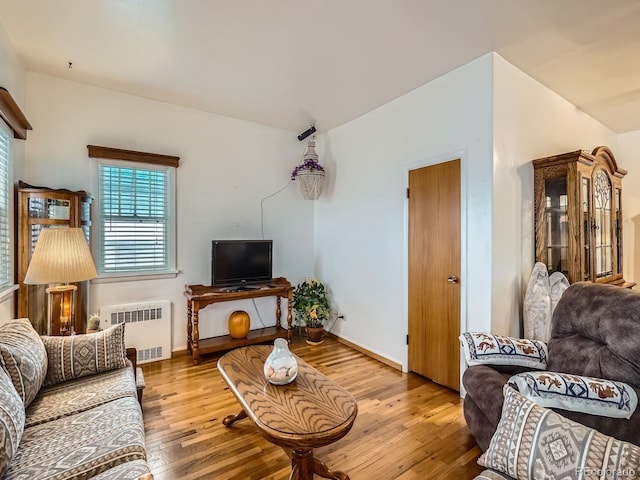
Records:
x=61, y=256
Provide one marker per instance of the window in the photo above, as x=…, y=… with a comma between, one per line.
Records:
x=5, y=258
x=136, y=219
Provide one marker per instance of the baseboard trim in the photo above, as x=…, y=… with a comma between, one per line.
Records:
x=355, y=346
x=369, y=353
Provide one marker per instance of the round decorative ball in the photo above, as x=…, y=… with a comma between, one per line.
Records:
x=239, y=323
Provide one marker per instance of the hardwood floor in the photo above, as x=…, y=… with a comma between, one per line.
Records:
x=407, y=427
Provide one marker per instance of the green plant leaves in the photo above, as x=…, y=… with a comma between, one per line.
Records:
x=308, y=297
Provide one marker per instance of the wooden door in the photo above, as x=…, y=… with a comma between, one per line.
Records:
x=434, y=271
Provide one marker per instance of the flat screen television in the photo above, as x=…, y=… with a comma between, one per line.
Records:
x=241, y=262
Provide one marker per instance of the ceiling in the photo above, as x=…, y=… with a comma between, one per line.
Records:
x=292, y=63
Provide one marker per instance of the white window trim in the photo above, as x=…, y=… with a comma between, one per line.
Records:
x=134, y=277
x=7, y=292
x=172, y=271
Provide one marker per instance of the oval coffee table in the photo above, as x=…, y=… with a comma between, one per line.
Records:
x=310, y=412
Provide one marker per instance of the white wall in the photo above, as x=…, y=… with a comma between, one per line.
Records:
x=12, y=71
x=488, y=113
x=13, y=78
x=530, y=121
x=360, y=228
x=627, y=156
x=227, y=166
x=499, y=119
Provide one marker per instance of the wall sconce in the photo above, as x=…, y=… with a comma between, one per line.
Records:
x=61, y=257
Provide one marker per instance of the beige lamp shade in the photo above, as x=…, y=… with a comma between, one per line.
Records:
x=61, y=255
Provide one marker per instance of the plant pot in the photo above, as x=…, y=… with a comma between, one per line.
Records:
x=315, y=335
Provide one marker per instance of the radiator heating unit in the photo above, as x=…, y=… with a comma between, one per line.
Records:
x=147, y=327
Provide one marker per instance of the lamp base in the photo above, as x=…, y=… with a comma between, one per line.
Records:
x=61, y=308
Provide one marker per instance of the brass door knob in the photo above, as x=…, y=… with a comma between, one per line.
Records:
x=452, y=279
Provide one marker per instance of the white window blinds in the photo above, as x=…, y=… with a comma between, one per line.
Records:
x=4, y=211
x=134, y=220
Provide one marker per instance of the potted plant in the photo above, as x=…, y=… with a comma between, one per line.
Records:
x=312, y=307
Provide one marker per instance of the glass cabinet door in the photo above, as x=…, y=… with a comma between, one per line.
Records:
x=618, y=229
x=51, y=208
x=603, y=225
x=586, y=228
x=556, y=225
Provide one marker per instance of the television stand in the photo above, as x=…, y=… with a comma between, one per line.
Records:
x=241, y=288
x=201, y=296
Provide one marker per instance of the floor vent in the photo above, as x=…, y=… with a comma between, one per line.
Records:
x=147, y=327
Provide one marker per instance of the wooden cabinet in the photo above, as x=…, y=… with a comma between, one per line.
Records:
x=578, y=215
x=38, y=208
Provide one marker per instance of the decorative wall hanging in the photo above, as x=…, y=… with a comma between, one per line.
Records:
x=309, y=174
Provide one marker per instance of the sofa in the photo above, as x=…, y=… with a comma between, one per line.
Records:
x=595, y=332
x=69, y=406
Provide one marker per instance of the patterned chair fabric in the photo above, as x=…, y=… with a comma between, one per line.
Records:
x=80, y=355
x=535, y=443
x=595, y=333
x=79, y=395
x=81, y=445
x=135, y=470
x=492, y=475
x=11, y=420
x=87, y=423
x=23, y=357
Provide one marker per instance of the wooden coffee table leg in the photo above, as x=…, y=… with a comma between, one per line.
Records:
x=231, y=419
x=321, y=469
x=295, y=473
x=301, y=463
x=304, y=465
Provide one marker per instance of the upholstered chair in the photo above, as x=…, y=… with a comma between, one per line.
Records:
x=595, y=332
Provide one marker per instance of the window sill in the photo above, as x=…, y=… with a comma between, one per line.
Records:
x=135, y=277
x=7, y=292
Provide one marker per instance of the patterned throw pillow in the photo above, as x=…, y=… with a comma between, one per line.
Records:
x=579, y=394
x=11, y=421
x=23, y=357
x=492, y=475
x=488, y=349
x=535, y=443
x=80, y=355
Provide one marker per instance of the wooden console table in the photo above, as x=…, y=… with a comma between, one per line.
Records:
x=200, y=296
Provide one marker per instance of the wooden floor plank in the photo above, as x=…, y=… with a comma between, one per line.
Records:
x=407, y=427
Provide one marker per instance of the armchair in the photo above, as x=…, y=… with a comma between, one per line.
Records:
x=595, y=332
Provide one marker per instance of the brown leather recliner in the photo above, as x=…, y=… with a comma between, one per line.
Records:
x=595, y=332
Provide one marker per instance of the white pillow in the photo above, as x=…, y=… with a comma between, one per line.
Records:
x=488, y=349
x=595, y=396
